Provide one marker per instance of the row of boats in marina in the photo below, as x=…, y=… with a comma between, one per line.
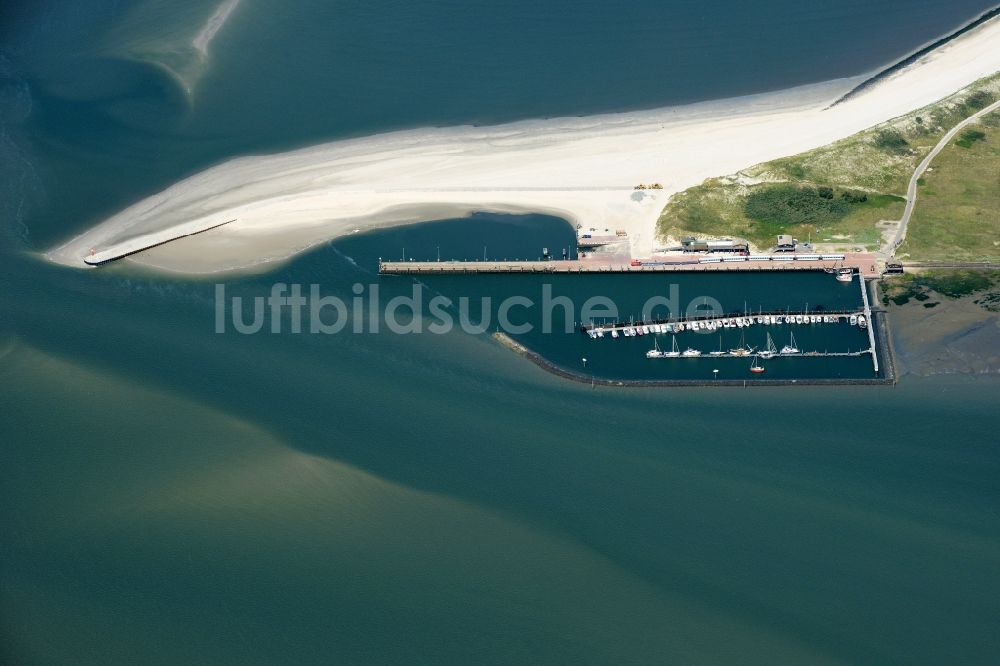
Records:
x=631, y=330
x=743, y=350
x=708, y=324
x=770, y=350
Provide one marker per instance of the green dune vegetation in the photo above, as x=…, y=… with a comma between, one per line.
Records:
x=839, y=195
x=957, y=215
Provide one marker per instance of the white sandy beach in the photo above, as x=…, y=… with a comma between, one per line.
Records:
x=583, y=169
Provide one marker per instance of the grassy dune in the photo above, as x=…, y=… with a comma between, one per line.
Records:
x=958, y=200
x=869, y=171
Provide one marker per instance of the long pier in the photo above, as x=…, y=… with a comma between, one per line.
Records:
x=141, y=243
x=863, y=264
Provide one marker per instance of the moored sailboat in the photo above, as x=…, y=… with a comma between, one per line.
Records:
x=771, y=349
x=743, y=349
x=720, y=352
x=791, y=347
x=674, y=351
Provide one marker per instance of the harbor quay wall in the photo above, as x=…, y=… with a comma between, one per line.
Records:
x=880, y=326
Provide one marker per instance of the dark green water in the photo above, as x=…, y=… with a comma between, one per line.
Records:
x=169, y=494
x=174, y=494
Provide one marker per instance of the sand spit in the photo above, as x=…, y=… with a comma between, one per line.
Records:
x=583, y=169
x=214, y=24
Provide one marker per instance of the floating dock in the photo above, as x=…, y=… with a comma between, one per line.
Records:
x=871, y=324
x=134, y=245
x=731, y=320
x=710, y=323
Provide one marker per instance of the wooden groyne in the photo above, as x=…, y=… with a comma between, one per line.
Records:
x=141, y=243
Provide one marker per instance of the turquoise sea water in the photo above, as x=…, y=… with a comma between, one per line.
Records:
x=169, y=494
